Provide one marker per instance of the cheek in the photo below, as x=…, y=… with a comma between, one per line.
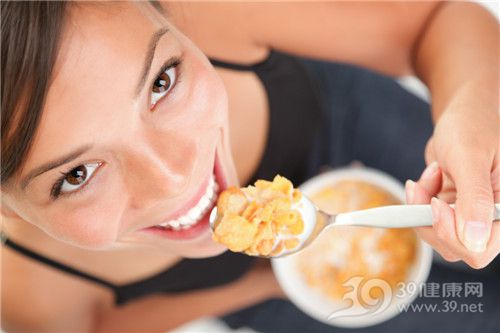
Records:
x=92, y=226
x=210, y=94
x=203, y=103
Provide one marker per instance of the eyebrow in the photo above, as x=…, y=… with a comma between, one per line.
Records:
x=149, y=58
x=52, y=165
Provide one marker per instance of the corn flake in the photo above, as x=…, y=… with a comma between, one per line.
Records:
x=256, y=216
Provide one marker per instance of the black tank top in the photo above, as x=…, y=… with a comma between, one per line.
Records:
x=295, y=115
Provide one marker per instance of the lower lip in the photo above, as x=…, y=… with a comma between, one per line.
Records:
x=199, y=227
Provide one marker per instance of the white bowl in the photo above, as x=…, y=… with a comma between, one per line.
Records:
x=326, y=310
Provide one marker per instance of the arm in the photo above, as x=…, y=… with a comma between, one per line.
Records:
x=376, y=35
x=454, y=48
x=458, y=53
x=458, y=58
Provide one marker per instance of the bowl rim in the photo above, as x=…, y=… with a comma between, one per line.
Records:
x=283, y=267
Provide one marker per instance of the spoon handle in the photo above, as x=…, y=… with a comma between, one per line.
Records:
x=400, y=216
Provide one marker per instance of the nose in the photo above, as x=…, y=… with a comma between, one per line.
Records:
x=152, y=179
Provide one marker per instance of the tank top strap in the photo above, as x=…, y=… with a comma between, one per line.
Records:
x=54, y=264
x=216, y=62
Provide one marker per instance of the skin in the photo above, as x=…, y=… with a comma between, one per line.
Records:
x=207, y=115
x=139, y=185
x=463, y=153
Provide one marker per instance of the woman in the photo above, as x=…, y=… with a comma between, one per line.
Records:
x=116, y=134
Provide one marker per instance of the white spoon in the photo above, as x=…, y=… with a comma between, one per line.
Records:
x=316, y=220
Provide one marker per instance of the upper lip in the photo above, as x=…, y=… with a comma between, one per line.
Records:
x=219, y=178
x=190, y=203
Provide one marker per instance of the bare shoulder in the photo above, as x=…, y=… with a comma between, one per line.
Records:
x=378, y=35
x=36, y=297
x=219, y=29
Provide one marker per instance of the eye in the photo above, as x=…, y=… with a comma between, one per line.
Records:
x=74, y=179
x=163, y=84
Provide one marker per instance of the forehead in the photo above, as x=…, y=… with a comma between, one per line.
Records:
x=98, y=65
x=100, y=38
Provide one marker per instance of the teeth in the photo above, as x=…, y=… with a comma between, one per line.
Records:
x=184, y=220
x=192, y=215
x=205, y=201
x=198, y=211
x=174, y=224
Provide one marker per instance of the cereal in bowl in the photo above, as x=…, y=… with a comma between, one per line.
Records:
x=341, y=253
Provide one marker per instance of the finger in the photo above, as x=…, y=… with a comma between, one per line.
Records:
x=474, y=205
x=442, y=235
x=495, y=182
x=481, y=260
x=443, y=238
x=417, y=195
x=430, y=185
x=445, y=227
x=430, y=152
x=431, y=179
x=429, y=236
x=448, y=192
x=459, y=252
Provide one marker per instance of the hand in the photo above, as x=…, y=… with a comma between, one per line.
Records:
x=463, y=167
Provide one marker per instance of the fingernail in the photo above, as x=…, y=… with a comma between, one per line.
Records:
x=430, y=170
x=410, y=190
x=435, y=209
x=475, y=235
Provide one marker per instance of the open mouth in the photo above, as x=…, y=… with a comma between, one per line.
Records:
x=195, y=220
x=195, y=214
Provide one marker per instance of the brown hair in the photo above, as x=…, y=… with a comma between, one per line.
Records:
x=30, y=35
x=31, y=32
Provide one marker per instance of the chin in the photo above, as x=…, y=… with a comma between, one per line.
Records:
x=209, y=251
x=202, y=247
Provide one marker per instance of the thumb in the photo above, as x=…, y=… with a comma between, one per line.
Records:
x=474, y=206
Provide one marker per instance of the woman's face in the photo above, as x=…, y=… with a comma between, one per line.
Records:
x=133, y=132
